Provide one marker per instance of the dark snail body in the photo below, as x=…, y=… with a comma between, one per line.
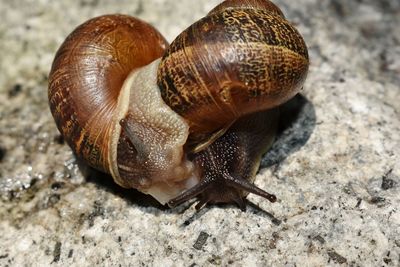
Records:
x=192, y=120
x=229, y=164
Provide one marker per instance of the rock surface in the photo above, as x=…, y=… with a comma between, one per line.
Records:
x=335, y=167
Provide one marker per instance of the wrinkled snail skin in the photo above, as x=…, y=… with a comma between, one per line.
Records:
x=187, y=120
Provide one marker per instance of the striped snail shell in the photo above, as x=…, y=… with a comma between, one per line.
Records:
x=191, y=119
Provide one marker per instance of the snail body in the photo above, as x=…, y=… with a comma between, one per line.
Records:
x=191, y=119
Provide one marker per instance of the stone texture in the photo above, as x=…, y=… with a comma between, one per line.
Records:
x=334, y=167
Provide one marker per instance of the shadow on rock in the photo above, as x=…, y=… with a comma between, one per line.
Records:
x=296, y=124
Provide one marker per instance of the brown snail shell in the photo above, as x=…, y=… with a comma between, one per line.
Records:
x=235, y=61
x=87, y=76
x=194, y=122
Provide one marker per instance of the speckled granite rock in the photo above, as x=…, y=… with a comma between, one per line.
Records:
x=335, y=167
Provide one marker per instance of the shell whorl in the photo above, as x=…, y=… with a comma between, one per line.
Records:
x=252, y=4
x=86, y=77
x=237, y=60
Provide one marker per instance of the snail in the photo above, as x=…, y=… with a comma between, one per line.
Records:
x=185, y=120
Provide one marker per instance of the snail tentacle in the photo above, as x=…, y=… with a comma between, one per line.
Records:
x=220, y=185
x=190, y=193
x=245, y=185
